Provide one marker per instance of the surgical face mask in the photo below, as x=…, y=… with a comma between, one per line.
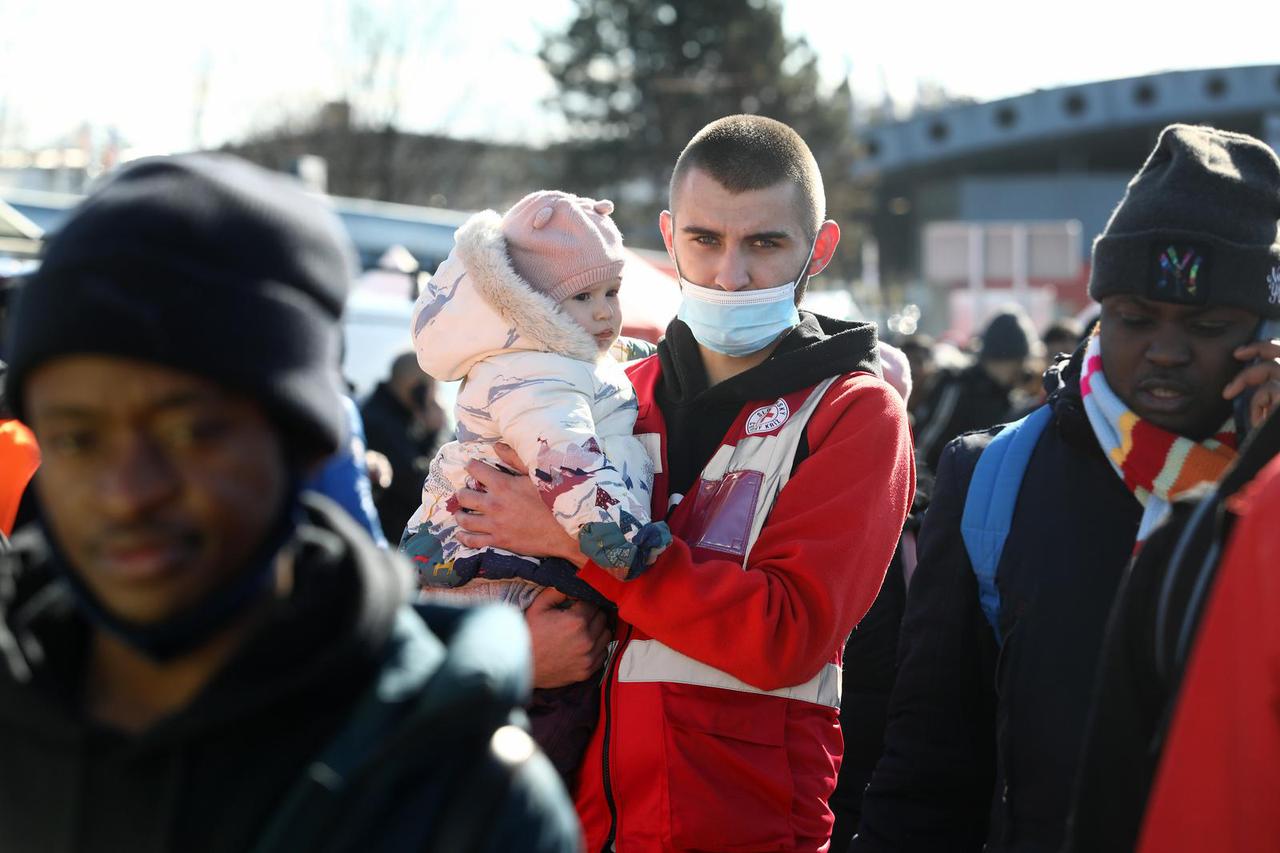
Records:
x=739, y=322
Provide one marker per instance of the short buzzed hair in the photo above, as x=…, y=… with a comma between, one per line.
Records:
x=748, y=152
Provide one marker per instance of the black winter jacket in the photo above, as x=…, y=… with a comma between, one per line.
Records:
x=866, y=681
x=389, y=428
x=983, y=743
x=1149, y=639
x=339, y=667
x=959, y=402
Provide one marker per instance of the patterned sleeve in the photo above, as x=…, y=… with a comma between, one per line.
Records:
x=626, y=349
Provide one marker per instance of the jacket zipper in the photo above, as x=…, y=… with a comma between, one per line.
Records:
x=610, y=671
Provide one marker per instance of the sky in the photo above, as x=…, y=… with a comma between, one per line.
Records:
x=170, y=75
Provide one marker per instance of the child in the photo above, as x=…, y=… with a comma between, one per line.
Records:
x=525, y=311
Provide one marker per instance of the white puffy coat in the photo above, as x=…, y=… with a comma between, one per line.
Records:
x=533, y=378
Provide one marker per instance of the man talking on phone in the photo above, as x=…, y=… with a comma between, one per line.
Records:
x=1139, y=415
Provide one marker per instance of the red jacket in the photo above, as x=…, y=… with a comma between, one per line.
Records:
x=1218, y=784
x=719, y=727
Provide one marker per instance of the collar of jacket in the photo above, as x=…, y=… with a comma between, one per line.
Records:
x=1062, y=384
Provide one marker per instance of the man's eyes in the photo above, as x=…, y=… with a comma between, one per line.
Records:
x=183, y=434
x=70, y=442
x=195, y=432
x=760, y=243
x=1206, y=328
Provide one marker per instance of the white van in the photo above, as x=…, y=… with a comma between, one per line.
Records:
x=375, y=331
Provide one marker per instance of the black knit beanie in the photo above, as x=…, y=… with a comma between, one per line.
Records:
x=1198, y=225
x=208, y=265
x=1010, y=335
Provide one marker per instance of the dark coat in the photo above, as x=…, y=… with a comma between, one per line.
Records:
x=389, y=428
x=341, y=654
x=1148, y=641
x=983, y=742
x=959, y=402
x=866, y=680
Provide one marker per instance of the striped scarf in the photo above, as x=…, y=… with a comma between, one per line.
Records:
x=1155, y=464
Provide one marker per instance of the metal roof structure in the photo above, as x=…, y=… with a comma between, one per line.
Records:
x=1093, y=123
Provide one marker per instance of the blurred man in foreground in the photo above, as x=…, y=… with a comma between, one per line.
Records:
x=196, y=655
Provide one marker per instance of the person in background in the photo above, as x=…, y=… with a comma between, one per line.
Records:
x=870, y=655
x=403, y=422
x=919, y=349
x=345, y=476
x=1062, y=336
x=983, y=394
x=195, y=654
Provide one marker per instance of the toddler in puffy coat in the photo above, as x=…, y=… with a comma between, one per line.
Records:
x=525, y=311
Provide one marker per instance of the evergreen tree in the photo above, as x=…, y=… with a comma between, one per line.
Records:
x=637, y=79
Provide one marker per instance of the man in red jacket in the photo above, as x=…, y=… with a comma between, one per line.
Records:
x=785, y=472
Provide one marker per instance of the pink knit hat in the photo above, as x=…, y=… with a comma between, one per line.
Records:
x=561, y=244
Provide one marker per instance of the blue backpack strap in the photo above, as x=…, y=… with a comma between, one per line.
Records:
x=990, y=501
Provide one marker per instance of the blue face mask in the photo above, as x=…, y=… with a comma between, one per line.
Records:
x=740, y=322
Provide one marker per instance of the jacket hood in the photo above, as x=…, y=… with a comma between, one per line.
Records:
x=477, y=306
x=818, y=348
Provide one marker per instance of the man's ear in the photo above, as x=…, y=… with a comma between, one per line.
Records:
x=824, y=247
x=666, y=224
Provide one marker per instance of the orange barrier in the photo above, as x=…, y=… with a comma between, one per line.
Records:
x=19, y=459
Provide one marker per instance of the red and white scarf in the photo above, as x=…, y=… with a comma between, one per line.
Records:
x=1155, y=464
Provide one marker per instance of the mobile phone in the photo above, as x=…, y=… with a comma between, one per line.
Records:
x=1267, y=330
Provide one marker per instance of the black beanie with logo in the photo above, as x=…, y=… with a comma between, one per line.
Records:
x=1010, y=336
x=1198, y=225
x=208, y=265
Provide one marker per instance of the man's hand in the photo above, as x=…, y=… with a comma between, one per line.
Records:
x=1263, y=376
x=570, y=639
x=506, y=512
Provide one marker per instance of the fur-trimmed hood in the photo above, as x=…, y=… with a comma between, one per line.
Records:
x=476, y=306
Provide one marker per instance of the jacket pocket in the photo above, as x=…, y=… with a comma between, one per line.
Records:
x=728, y=778
x=723, y=511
